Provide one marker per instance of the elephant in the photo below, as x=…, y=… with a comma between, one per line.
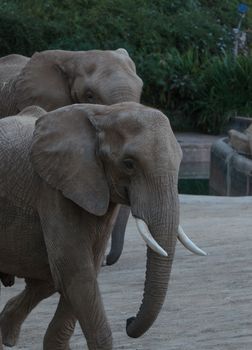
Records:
x=63, y=176
x=55, y=78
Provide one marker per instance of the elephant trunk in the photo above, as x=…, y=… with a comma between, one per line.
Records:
x=121, y=89
x=162, y=220
x=124, y=94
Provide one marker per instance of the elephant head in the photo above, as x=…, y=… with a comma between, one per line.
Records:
x=56, y=78
x=127, y=154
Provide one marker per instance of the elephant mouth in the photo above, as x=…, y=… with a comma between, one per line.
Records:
x=153, y=244
x=147, y=236
x=126, y=195
x=121, y=195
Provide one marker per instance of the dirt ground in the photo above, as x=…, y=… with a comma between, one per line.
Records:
x=209, y=302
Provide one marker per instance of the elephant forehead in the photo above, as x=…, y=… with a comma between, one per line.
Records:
x=101, y=58
x=134, y=116
x=154, y=140
x=116, y=73
x=151, y=145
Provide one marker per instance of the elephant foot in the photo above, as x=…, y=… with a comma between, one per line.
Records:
x=10, y=334
x=55, y=344
x=9, y=328
x=56, y=347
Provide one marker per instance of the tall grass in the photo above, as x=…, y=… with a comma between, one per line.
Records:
x=226, y=92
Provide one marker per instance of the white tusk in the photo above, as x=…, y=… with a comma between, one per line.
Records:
x=188, y=243
x=147, y=237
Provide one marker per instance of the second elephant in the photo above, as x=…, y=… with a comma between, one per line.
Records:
x=56, y=78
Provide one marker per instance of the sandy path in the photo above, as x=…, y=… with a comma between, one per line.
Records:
x=209, y=303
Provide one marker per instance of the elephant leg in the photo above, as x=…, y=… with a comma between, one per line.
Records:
x=69, y=234
x=18, y=308
x=1, y=342
x=79, y=288
x=60, y=328
x=89, y=310
x=118, y=233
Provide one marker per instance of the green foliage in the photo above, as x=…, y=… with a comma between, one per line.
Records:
x=141, y=25
x=197, y=29
x=227, y=92
x=21, y=34
x=181, y=48
x=173, y=84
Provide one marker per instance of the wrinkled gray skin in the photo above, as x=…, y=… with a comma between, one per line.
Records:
x=56, y=78
x=54, y=227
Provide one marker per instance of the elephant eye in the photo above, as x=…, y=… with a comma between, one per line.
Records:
x=128, y=164
x=90, y=96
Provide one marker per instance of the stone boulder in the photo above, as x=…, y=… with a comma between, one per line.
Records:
x=241, y=142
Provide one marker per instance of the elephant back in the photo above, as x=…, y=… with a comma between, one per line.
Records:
x=10, y=68
x=18, y=182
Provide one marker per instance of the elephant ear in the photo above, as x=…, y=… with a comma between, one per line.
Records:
x=32, y=111
x=63, y=154
x=123, y=52
x=43, y=82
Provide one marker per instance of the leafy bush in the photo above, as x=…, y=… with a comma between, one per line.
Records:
x=227, y=92
x=141, y=25
x=173, y=84
x=198, y=92
x=22, y=34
